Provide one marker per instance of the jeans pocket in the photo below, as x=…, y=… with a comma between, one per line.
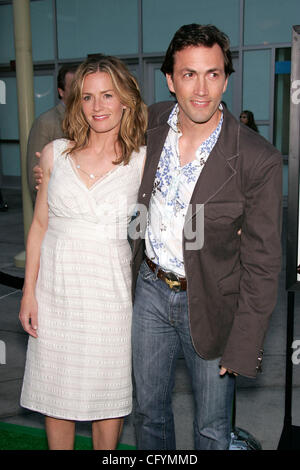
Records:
x=145, y=272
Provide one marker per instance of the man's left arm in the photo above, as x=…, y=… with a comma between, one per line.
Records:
x=260, y=258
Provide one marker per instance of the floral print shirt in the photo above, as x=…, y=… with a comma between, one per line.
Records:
x=172, y=191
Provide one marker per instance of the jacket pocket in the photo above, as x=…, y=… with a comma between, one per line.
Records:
x=223, y=212
x=230, y=284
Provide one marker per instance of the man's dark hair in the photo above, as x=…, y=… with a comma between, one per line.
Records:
x=197, y=35
x=61, y=77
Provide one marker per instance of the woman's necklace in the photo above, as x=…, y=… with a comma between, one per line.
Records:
x=92, y=176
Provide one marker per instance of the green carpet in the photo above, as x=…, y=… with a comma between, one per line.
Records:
x=15, y=437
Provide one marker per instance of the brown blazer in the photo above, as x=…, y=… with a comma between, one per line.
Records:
x=46, y=127
x=232, y=280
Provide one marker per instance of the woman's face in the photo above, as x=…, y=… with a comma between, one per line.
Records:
x=244, y=118
x=101, y=104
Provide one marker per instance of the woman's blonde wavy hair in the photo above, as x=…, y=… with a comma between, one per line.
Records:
x=134, y=120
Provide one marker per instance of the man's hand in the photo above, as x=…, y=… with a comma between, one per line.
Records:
x=37, y=172
x=223, y=371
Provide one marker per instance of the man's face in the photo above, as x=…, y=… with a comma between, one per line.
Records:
x=198, y=82
x=68, y=82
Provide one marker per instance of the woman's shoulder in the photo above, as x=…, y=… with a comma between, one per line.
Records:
x=137, y=159
x=137, y=155
x=53, y=151
x=61, y=145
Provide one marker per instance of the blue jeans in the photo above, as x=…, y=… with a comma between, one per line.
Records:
x=160, y=330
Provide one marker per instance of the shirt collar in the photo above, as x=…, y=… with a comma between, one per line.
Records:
x=173, y=118
x=206, y=146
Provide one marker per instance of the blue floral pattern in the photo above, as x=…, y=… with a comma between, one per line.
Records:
x=172, y=190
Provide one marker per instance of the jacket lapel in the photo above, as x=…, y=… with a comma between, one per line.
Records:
x=218, y=169
x=215, y=174
x=155, y=141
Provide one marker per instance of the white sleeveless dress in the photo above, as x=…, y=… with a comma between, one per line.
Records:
x=79, y=367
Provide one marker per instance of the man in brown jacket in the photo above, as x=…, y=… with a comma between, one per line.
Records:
x=205, y=268
x=48, y=126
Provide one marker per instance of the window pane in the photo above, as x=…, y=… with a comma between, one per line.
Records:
x=134, y=69
x=162, y=92
x=43, y=93
x=41, y=27
x=7, y=53
x=109, y=26
x=42, y=30
x=264, y=131
x=161, y=19
x=10, y=159
x=9, y=111
x=43, y=100
x=270, y=21
x=256, y=83
x=228, y=95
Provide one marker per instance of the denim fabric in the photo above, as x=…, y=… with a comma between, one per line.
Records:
x=160, y=330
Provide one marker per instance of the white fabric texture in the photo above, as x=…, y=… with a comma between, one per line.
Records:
x=79, y=367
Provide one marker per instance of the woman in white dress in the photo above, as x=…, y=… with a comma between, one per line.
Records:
x=76, y=303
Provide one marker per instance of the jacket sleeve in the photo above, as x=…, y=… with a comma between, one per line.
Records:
x=260, y=259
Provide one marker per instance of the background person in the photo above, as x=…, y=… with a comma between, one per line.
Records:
x=48, y=126
x=247, y=118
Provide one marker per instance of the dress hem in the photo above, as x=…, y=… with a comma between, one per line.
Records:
x=94, y=418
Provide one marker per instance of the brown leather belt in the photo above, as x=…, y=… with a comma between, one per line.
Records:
x=175, y=282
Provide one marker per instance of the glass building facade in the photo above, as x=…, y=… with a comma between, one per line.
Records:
x=139, y=31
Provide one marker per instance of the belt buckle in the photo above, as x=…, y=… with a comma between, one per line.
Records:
x=174, y=283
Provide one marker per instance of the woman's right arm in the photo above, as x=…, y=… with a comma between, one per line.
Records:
x=29, y=308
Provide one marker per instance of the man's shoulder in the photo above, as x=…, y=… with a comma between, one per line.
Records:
x=254, y=143
x=247, y=143
x=53, y=113
x=49, y=123
x=159, y=113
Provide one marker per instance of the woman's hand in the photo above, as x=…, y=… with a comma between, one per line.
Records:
x=29, y=314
